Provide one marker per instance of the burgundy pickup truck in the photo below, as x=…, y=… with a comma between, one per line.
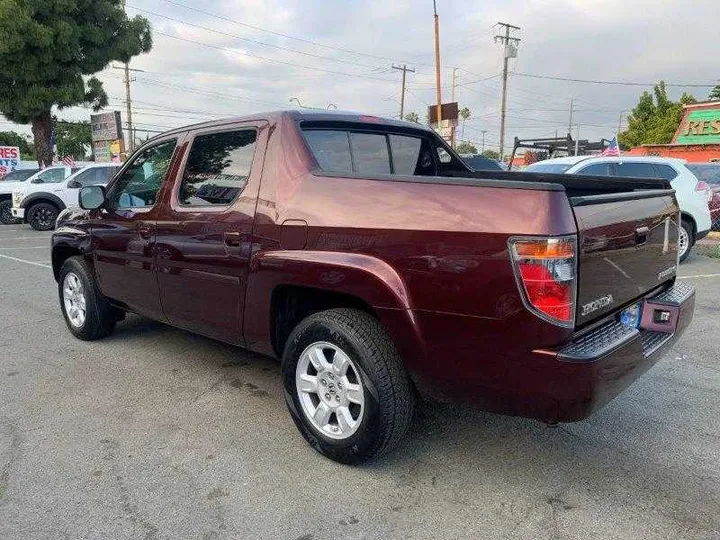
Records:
x=365, y=254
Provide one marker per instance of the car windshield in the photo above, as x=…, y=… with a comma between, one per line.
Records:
x=557, y=168
x=18, y=176
x=707, y=172
x=481, y=163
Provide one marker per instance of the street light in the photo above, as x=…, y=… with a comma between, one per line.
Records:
x=331, y=105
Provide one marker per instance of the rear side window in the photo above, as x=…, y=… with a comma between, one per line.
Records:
x=666, y=171
x=331, y=149
x=636, y=170
x=371, y=153
x=218, y=168
x=597, y=169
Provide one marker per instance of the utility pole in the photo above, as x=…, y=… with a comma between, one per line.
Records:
x=484, y=131
x=572, y=101
x=452, y=100
x=404, y=70
x=620, y=120
x=437, y=65
x=128, y=103
x=577, y=138
x=509, y=51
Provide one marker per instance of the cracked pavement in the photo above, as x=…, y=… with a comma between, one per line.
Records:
x=155, y=433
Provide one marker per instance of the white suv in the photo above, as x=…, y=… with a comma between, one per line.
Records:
x=40, y=203
x=692, y=195
x=7, y=186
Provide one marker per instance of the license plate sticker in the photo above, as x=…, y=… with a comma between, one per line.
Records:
x=630, y=316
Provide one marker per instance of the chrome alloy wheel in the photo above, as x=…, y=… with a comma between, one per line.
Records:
x=683, y=241
x=330, y=390
x=74, y=299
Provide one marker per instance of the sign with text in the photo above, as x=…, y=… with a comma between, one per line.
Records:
x=700, y=127
x=449, y=112
x=106, y=126
x=9, y=159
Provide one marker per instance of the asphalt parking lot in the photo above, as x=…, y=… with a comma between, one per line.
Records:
x=155, y=433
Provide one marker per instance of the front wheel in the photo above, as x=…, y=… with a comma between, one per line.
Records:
x=345, y=385
x=88, y=314
x=42, y=216
x=6, y=217
x=685, y=241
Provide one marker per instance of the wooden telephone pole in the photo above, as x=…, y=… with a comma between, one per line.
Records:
x=437, y=65
x=404, y=70
x=509, y=51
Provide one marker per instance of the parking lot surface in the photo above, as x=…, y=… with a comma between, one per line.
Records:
x=155, y=433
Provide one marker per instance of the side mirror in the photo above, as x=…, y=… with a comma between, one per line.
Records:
x=92, y=197
x=36, y=181
x=74, y=184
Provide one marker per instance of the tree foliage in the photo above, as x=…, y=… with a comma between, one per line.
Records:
x=412, y=117
x=464, y=113
x=465, y=147
x=491, y=154
x=654, y=119
x=715, y=93
x=73, y=139
x=48, y=48
x=12, y=138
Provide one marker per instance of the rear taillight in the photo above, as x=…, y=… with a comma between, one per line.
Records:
x=703, y=186
x=546, y=273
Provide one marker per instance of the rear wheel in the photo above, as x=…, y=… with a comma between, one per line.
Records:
x=6, y=217
x=88, y=314
x=685, y=241
x=42, y=216
x=345, y=385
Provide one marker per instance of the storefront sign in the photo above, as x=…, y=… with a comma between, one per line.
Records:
x=700, y=127
x=106, y=126
x=9, y=159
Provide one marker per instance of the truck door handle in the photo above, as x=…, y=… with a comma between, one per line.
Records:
x=641, y=234
x=145, y=231
x=232, y=239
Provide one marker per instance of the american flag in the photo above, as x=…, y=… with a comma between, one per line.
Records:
x=68, y=161
x=613, y=149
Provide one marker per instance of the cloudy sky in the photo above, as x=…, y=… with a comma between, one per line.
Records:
x=230, y=57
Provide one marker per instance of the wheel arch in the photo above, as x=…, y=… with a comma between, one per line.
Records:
x=42, y=197
x=688, y=217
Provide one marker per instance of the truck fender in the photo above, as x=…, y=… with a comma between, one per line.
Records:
x=42, y=196
x=365, y=277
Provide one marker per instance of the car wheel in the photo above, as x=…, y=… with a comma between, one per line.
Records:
x=42, y=216
x=345, y=385
x=685, y=241
x=6, y=217
x=88, y=314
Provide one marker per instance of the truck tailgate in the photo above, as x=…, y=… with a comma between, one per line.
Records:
x=628, y=246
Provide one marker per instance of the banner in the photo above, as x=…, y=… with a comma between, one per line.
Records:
x=9, y=159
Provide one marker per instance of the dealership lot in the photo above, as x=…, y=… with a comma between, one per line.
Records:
x=156, y=433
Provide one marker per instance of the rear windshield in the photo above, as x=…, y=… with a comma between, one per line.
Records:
x=19, y=176
x=480, y=163
x=706, y=172
x=346, y=151
x=557, y=168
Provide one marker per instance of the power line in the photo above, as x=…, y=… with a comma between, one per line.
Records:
x=618, y=83
x=257, y=57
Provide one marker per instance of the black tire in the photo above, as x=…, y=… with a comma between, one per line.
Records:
x=41, y=216
x=6, y=217
x=388, y=393
x=100, y=316
x=690, y=231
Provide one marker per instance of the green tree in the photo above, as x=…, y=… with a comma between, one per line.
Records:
x=73, y=138
x=412, y=117
x=465, y=147
x=715, y=93
x=464, y=115
x=50, y=48
x=12, y=138
x=654, y=119
x=491, y=154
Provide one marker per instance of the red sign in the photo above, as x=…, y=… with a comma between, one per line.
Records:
x=9, y=159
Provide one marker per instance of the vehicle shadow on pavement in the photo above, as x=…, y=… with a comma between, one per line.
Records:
x=526, y=472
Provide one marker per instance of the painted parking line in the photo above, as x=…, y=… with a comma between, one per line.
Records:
x=23, y=247
x=2, y=239
x=24, y=261
x=699, y=276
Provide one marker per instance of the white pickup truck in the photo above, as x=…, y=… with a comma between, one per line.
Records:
x=40, y=203
x=15, y=181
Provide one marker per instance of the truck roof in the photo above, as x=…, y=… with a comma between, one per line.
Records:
x=292, y=114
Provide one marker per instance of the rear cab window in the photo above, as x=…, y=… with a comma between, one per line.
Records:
x=350, y=150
